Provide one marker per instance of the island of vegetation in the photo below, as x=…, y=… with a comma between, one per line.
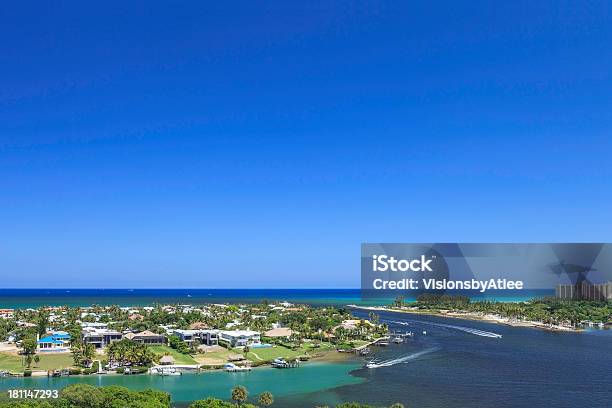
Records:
x=546, y=313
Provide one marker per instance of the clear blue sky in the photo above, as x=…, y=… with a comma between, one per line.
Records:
x=258, y=145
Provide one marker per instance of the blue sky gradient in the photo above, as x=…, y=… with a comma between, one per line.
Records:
x=257, y=145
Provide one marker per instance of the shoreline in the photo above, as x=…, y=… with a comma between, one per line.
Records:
x=489, y=318
x=328, y=358
x=331, y=356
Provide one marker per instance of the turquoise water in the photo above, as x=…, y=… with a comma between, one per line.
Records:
x=309, y=377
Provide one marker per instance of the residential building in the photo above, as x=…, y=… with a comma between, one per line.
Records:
x=354, y=324
x=55, y=341
x=147, y=337
x=100, y=338
x=239, y=338
x=585, y=291
x=279, y=332
x=94, y=325
x=208, y=337
x=198, y=326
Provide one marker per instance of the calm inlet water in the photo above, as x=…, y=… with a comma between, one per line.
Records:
x=311, y=377
x=457, y=363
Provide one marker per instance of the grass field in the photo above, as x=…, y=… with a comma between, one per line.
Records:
x=51, y=361
x=178, y=357
x=269, y=354
x=221, y=355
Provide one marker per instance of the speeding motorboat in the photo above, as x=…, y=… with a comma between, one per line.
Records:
x=371, y=364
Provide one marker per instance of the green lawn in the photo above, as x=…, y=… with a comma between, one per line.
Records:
x=10, y=363
x=222, y=354
x=269, y=354
x=50, y=361
x=178, y=357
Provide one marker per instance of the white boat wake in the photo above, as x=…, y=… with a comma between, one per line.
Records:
x=470, y=330
x=399, y=360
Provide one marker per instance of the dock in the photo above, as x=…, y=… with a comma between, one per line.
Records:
x=360, y=350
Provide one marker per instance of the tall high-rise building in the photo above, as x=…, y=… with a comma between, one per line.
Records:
x=585, y=291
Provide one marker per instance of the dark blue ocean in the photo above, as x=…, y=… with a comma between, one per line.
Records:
x=32, y=298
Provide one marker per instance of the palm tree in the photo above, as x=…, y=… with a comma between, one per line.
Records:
x=374, y=318
x=88, y=352
x=76, y=349
x=239, y=394
x=42, y=321
x=399, y=301
x=265, y=399
x=111, y=352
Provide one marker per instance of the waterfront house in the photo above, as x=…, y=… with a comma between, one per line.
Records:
x=239, y=338
x=100, y=338
x=55, y=341
x=206, y=337
x=129, y=336
x=353, y=324
x=279, y=332
x=198, y=326
x=149, y=338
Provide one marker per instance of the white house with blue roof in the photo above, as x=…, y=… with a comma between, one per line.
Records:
x=55, y=341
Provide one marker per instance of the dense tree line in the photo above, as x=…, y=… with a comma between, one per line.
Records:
x=127, y=352
x=548, y=310
x=88, y=396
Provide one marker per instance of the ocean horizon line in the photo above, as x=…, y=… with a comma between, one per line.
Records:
x=178, y=288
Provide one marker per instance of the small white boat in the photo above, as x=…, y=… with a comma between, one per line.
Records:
x=166, y=372
x=282, y=363
x=233, y=368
